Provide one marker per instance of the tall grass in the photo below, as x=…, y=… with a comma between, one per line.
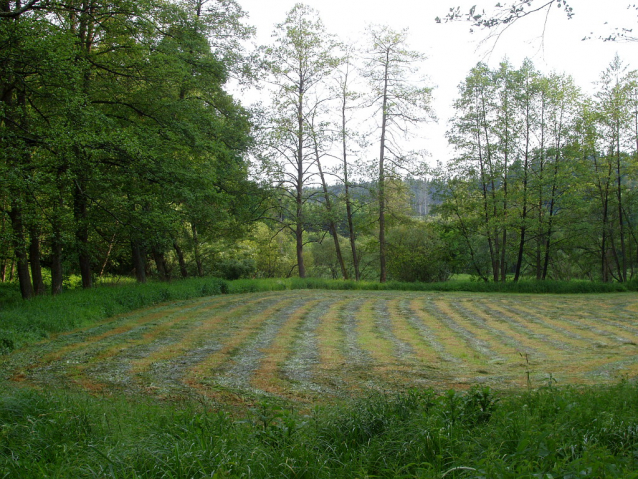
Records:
x=24, y=322
x=546, y=433
x=527, y=286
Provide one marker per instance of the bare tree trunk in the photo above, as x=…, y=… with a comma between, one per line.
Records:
x=621, y=223
x=300, y=179
x=331, y=223
x=56, y=264
x=108, y=254
x=521, y=245
x=12, y=269
x=346, y=181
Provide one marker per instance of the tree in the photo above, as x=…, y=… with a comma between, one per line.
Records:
x=400, y=104
x=299, y=62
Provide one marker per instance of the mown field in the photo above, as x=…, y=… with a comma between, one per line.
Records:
x=314, y=345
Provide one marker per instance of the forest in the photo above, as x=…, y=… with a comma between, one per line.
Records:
x=126, y=151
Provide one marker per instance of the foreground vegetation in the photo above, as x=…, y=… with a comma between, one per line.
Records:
x=548, y=433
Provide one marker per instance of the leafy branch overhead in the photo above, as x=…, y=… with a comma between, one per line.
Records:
x=504, y=14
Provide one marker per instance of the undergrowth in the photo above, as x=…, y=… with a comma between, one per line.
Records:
x=547, y=433
x=527, y=287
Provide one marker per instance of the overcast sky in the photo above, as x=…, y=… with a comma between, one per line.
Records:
x=452, y=51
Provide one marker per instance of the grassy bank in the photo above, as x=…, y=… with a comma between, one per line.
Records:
x=545, y=433
x=526, y=287
x=25, y=322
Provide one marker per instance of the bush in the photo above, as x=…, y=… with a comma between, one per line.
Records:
x=232, y=269
x=417, y=253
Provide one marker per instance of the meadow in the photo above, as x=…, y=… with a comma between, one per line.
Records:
x=325, y=383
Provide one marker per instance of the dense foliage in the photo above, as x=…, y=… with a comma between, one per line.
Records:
x=118, y=139
x=588, y=432
x=124, y=154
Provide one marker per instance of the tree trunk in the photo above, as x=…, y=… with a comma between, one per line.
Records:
x=139, y=261
x=19, y=246
x=56, y=262
x=346, y=182
x=180, y=258
x=108, y=255
x=331, y=223
x=621, y=223
x=160, y=263
x=384, y=119
x=300, y=179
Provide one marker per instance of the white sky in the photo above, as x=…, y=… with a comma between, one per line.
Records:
x=452, y=51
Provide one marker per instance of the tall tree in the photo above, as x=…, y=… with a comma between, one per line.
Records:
x=400, y=102
x=299, y=62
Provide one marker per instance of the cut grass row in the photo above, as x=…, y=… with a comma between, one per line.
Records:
x=309, y=345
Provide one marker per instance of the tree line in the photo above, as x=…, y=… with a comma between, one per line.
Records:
x=543, y=184
x=124, y=153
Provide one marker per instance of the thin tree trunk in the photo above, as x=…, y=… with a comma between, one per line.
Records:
x=346, y=182
x=56, y=241
x=331, y=223
x=382, y=244
x=300, y=178
x=621, y=223
x=521, y=245
x=483, y=158
x=108, y=254
x=56, y=263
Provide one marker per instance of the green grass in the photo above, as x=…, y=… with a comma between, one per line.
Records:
x=546, y=433
x=551, y=432
x=25, y=322
x=526, y=286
